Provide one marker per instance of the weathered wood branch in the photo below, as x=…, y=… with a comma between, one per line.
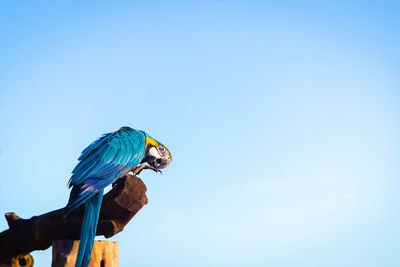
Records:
x=119, y=206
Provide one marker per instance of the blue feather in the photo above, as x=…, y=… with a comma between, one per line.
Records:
x=100, y=164
x=88, y=231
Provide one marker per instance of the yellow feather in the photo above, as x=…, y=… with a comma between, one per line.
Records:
x=150, y=141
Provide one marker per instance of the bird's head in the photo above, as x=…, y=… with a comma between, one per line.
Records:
x=157, y=155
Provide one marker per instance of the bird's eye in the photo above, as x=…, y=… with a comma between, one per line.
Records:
x=162, y=151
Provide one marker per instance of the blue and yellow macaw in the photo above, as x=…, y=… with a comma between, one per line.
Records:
x=102, y=163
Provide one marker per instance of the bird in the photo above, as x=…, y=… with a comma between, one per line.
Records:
x=100, y=164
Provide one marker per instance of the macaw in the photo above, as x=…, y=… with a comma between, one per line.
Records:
x=102, y=163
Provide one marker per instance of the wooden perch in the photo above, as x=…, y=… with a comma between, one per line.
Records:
x=124, y=200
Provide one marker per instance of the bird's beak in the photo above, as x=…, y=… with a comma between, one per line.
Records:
x=156, y=159
x=163, y=162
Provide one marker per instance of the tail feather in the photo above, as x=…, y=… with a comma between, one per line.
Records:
x=88, y=230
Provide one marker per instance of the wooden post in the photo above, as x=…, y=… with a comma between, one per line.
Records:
x=104, y=253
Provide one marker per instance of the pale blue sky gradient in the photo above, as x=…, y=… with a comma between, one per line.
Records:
x=282, y=117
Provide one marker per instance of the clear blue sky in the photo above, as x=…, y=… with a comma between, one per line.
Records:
x=282, y=117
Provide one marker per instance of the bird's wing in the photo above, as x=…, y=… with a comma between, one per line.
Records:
x=104, y=161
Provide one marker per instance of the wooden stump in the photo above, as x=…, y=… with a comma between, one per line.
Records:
x=104, y=253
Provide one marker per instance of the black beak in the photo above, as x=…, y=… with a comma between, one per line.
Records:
x=163, y=162
x=159, y=163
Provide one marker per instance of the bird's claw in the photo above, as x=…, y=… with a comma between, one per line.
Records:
x=145, y=166
x=153, y=168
